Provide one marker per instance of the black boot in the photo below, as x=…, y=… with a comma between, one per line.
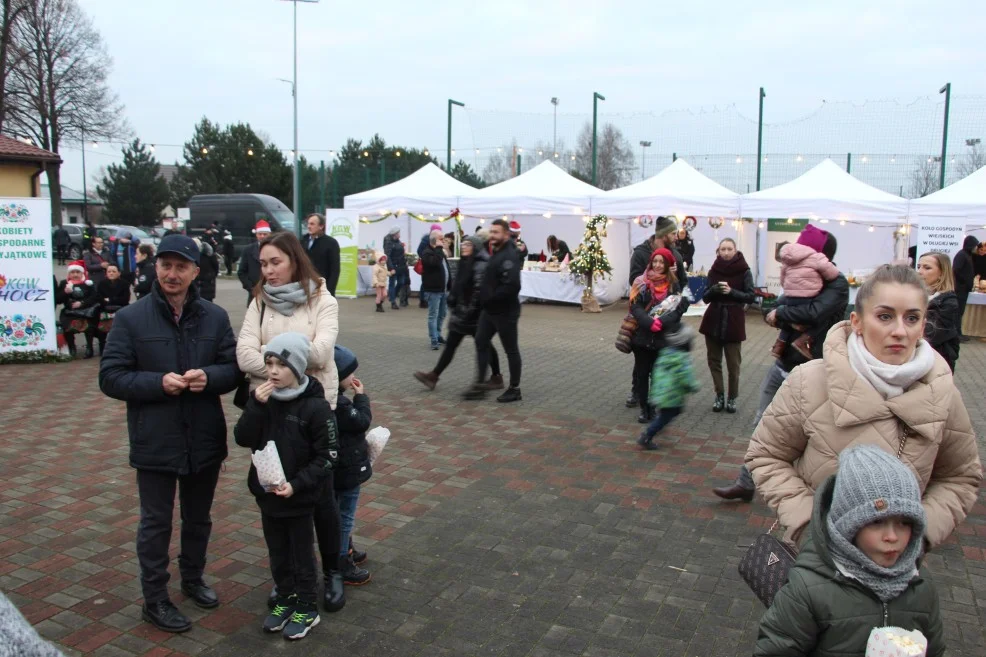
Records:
x=379, y=307
x=89, y=351
x=70, y=343
x=394, y=306
x=164, y=615
x=646, y=415
x=731, y=405
x=719, y=403
x=353, y=574
x=632, y=401
x=102, y=345
x=334, y=597
x=358, y=555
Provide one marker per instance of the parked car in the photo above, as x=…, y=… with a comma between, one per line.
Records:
x=156, y=233
x=75, y=234
x=238, y=213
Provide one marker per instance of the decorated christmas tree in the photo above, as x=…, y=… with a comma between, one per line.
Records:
x=590, y=262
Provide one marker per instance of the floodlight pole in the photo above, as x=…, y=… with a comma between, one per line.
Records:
x=947, y=90
x=596, y=96
x=449, y=152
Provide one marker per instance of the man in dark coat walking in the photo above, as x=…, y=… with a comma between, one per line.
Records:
x=964, y=269
x=62, y=243
x=248, y=270
x=170, y=356
x=323, y=251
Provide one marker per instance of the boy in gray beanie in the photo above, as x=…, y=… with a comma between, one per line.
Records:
x=859, y=567
x=290, y=409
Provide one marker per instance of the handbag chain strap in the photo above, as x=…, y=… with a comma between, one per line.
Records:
x=903, y=440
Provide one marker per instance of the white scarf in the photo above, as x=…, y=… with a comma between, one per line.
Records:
x=889, y=380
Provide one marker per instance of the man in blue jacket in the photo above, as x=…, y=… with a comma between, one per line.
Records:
x=170, y=356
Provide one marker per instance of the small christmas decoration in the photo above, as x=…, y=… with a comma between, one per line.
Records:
x=590, y=262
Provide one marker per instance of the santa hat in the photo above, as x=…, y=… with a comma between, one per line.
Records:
x=262, y=227
x=77, y=265
x=514, y=226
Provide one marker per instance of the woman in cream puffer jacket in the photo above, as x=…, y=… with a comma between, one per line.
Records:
x=825, y=407
x=317, y=318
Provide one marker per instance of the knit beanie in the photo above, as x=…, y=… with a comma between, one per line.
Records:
x=395, y=230
x=346, y=362
x=292, y=349
x=664, y=227
x=476, y=241
x=435, y=227
x=813, y=238
x=669, y=260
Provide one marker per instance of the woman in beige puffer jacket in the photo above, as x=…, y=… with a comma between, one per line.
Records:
x=825, y=406
x=317, y=318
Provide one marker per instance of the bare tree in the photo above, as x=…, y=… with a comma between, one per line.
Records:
x=925, y=177
x=498, y=167
x=615, y=162
x=972, y=161
x=12, y=11
x=59, y=91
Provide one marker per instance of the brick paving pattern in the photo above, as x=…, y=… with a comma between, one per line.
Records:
x=537, y=529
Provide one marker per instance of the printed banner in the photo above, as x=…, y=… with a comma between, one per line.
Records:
x=27, y=297
x=779, y=232
x=343, y=226
x=941, y=236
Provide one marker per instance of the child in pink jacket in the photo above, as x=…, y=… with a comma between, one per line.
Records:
x=804, y=270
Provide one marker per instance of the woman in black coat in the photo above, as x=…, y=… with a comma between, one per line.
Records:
x=464, y=303
x=944, y=321
x=208, y=270
x=724, y=323
x=113, y=293
x=656, y=284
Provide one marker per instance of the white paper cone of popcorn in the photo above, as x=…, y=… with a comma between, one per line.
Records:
x=268, y=464
x=377, y=438
x=896, y=642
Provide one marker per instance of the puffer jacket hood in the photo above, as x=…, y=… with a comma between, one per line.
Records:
x=970, y=243
x=825, y=407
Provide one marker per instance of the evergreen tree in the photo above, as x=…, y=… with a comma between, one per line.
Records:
x=590, y=262
x=230, y=160
x=134, y=192
x=464, y=173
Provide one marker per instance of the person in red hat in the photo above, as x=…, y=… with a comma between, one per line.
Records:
x=78, y=295
x=519, y=243
x=248, y=270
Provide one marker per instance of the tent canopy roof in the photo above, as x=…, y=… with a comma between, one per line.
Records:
x=429, y=189
x=825, y=191
x=678, y=189
x=963, y=198
x=545, y=188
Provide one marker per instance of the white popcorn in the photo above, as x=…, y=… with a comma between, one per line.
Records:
x=268, y=464
x=896, y=642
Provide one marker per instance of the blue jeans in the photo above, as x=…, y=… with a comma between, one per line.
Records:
x=396, y=282
x=768, y=388
x=661, y=419
x=437, y=309
x=347, y=500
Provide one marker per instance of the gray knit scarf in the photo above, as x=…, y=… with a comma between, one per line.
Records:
x=286, y=298
x=287, y=394
x=886, y=583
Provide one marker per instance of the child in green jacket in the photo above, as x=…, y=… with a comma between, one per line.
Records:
x=672, y=380
x=859, y=567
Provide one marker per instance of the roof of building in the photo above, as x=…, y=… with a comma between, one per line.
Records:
x=168, y=172
x=69, y=195
x=15, y=149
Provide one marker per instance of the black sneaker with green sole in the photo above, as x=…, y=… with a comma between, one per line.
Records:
x=304, y=618
x=280, y=614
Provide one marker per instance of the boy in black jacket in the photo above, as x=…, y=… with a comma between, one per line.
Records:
x=353, y=418
x=290, y=409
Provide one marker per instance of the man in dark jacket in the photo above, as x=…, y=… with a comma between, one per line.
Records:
x=499, y=295
x=248, y=270
x=964, y=270
x=145, y=271
x=323, y=251
x=823, y=312
x=436, y=281
x=686, y=247
x=393, y=248
x=170, y=356
x=62, y=242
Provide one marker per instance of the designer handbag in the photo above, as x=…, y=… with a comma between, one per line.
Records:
x=627, y=327
x=765, y=566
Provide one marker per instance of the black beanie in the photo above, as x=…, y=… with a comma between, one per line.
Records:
x=346, y=362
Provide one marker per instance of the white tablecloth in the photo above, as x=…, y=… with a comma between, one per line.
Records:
x=549, y=286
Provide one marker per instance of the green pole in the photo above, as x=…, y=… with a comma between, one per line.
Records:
x=674, y=157
x=760, y=138
x=848, y=162
x=947, y=90
x=321, y=186
x=383, y=172
x=449, y=152
x=596, y=96
x=335, y=186
x=518, y=164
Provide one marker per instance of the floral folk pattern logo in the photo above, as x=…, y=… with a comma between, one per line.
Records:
x=21, y=331
x=14, y=213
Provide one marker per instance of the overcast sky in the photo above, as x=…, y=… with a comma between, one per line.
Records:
x=389, y=66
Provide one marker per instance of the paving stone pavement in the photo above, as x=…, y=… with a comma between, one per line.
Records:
x=536, y=529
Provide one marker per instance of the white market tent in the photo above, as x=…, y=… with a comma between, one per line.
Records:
x=825, y=192
x=544, y=189
x=677, y=190
x=965, y=198
x=427, y=190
